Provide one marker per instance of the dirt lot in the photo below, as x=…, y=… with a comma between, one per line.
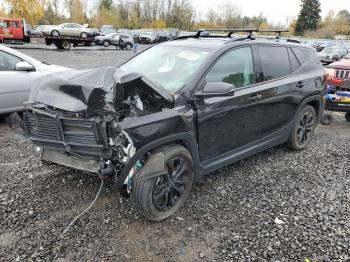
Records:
x=230, y=216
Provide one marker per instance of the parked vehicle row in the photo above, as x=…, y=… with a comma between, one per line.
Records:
x=332, y=54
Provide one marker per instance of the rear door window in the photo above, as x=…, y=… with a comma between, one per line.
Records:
x=274, y=61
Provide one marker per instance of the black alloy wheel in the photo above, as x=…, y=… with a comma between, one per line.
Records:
x=158, y=197
x=169, y=189
x=305, y=128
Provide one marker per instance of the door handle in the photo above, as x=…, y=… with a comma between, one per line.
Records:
x=300, y=84
x=255, y=98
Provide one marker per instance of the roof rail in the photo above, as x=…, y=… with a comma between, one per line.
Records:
x=277, y=31
x=231, y=31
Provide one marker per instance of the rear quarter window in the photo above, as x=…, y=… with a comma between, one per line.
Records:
x=305, y=54
x=274, y=61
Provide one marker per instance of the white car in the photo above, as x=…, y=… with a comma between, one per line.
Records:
x=17, y=73
x=70, y=29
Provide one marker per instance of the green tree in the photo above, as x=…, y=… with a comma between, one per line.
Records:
x=309, y=16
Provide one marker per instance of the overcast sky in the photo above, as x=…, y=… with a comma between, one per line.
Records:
x=276, y=11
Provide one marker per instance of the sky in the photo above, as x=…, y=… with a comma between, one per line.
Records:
x=276, y=11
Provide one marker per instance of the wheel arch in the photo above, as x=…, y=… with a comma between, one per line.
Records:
x=316, y=102
x=185, y=139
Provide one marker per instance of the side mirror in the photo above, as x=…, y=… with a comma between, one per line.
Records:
x=216, y=89
x=24, y=66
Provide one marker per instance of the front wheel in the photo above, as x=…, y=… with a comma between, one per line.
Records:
x=156, y=198
x=106, y=43
x=128, y=46
x=304, y=129
x=83, y=35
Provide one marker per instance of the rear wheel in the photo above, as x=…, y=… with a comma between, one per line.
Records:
x=157, y=198
x=304, y=128
x=347, y=116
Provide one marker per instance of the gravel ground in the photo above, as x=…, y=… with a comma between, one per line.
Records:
x=230, y=216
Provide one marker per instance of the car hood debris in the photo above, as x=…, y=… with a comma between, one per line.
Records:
x=88, y=90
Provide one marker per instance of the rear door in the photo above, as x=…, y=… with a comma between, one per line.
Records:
x=14, y=85
x=280, y=94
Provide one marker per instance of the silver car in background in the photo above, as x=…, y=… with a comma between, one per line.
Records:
x=122, y=41
x=17, y=73
x=70, y=29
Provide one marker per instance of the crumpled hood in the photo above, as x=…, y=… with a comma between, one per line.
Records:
x=71, y=90
x=79, y=90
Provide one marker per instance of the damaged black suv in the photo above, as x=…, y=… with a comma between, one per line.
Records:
x=177, y=111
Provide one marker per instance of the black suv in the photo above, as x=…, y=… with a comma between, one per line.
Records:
x=177, y=111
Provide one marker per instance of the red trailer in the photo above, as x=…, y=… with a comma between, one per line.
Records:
x=13, y=31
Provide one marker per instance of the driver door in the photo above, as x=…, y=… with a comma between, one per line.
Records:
x=230, y=122
x=14, y=85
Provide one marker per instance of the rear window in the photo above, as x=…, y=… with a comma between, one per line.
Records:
x=274, y=62
x=305, y=54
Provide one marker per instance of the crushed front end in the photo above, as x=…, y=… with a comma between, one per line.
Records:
x=86, y=119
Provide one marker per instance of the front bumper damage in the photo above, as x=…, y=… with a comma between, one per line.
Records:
x=102, y=124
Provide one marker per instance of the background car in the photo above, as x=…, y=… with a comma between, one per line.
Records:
x=123, y=41
x=70, y=29
x=147, y=37
x=331, y=54
x=135, y=35
x=164, y=36
x=105, y=40
x=17, y=72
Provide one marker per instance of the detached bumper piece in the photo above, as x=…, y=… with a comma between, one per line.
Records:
x=75, y=136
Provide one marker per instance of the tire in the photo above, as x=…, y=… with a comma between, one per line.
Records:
x=347, y=116
x=55, y=33
x=66, y=45
x=58, y=44
x=304, y=129
x=84, y=35
x=326, y=119
x=106, y=43
x=48, y=41
x=150, y=196
x=128, y=46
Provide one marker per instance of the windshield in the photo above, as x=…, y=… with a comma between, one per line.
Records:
x=169, y=66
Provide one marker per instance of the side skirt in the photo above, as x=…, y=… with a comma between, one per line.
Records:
x=253, y=148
